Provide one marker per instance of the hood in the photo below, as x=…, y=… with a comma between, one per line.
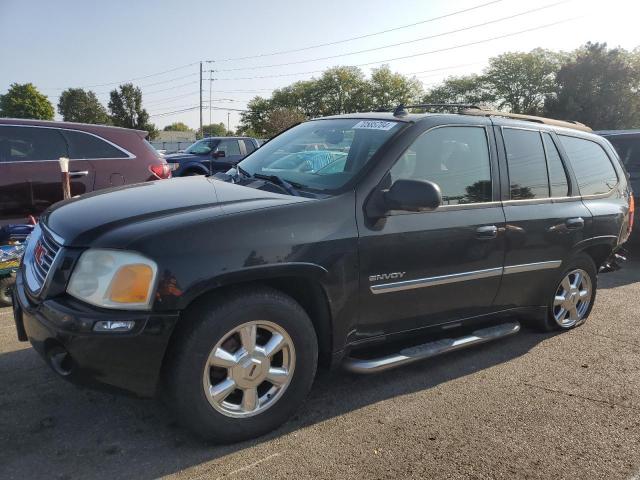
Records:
x=179, y=157
x=79, y=221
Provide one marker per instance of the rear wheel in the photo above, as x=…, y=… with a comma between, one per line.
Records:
x=244, y=365
x=573, y=296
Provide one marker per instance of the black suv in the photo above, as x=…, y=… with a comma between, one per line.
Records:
x=364, y=240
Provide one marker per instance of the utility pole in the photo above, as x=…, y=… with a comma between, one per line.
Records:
x=201, y=132
x=228, y=115
x=210, y=104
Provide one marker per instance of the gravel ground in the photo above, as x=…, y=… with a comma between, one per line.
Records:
x=532, y=406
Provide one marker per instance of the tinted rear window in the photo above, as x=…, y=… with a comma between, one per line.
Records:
x=593, y=169
x=31, y=143
x=527, y=166
x=83, y=145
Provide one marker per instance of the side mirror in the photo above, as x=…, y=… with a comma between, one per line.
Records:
x=219, y=154
x=413, y=196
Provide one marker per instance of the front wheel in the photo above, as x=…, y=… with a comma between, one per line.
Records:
x=6, y=290
x=244, y=365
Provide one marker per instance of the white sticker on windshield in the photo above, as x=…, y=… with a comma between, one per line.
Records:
x=374, y=125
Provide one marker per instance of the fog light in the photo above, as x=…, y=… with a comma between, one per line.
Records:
x=113, y=326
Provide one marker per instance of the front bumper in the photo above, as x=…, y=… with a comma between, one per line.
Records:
x=128, y=361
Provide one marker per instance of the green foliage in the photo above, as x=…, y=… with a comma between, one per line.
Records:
x=599, y=87
x=126, y=109
x=213, y=130
x=25, y=101
x=468, y=89
x=78, y=105
x=177, y=127
x=386, y=90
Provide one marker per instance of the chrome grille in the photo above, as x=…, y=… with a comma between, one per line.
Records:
x=44, y=254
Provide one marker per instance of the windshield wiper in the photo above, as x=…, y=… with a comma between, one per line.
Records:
x=281, y=182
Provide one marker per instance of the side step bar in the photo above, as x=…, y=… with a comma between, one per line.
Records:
x=431, y=349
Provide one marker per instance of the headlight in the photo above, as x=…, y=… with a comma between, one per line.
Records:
x=114, y=279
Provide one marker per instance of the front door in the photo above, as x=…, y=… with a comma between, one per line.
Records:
x=423, y=269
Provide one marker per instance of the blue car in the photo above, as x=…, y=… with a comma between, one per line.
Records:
x=211, y=155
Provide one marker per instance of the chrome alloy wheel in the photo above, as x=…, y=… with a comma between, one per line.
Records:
x=249, y=369
x=572, y=299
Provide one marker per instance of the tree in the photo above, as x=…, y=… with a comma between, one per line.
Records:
x=78, y=105
x=520, y=81
x=599, y=87
x=25, y=101
x=468, y=89
x=253, y=120
x=177, y=127
x=126, y=109
x=213, y=130
x=280, y=119
x=386, y=90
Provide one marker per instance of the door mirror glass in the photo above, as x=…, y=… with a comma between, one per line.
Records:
x=219, y=154
x=413, y=196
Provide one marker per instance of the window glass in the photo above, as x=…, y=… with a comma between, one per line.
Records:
x=590, y=163
x=229, y=147
x=455, y=158
x=249, y=146
x=557, y=174
x=629, y=150
x=31, y=143
x=201, y=147
x=83, y=145
x=527, y=167
x=321, y=154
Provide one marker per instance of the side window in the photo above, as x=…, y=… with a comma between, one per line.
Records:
x=31, y=143
x=83, y=145
x=629, y=151
x=249, y=146
x=455, y=158
x=591, y=164
x=527, y=166
x=229, y=147
x=557, y=174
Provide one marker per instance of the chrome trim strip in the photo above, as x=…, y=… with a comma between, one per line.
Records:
x=531, y=267
x=433, y=281
x=462, y=277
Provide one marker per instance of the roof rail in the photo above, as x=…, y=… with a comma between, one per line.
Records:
x=401, y=110
x=528, y=118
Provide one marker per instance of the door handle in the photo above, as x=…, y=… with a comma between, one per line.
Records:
x=487, y=232
x=79, y=173
x=575, y=223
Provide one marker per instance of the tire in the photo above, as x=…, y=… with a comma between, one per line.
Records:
x=6, y=288
x=213, y=325
x=555, y=319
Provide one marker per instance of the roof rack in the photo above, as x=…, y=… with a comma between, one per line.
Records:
x=528, y=118
x=470, y=109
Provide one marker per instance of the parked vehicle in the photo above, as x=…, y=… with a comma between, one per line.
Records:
x=211, y=155
x=627, y=144
x=12, y=239
x=435, y=232
x=100, y=157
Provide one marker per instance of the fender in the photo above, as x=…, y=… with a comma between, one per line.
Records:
x=610, y=241
x=254, y=273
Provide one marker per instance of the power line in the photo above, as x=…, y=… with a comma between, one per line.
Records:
x=446, y=49
x=429, y=37
x=433, y=19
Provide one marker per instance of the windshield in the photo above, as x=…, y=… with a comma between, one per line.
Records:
x=201, y=147
x=321, y=154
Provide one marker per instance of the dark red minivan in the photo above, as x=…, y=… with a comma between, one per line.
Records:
x=100, y=157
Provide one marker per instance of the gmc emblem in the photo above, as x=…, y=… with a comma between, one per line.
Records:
x=39, y=253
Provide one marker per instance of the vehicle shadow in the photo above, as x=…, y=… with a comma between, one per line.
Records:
x=48, y=425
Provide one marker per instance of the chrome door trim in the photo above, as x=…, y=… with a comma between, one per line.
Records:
x=531, y=267
x=433, y=281
x=462, y=277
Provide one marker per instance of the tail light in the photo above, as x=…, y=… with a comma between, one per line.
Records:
x=632, y=208
x=160, y=170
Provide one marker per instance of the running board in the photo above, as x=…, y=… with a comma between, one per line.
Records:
x=431, y=349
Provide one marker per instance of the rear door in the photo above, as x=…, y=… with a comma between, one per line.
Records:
x=30, y=178
x=232, y=154
x=545, y=216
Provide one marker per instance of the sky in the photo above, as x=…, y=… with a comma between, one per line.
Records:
x=159, y=44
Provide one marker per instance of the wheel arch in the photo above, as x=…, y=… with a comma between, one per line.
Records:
x=193, y=167
x=598, y=248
